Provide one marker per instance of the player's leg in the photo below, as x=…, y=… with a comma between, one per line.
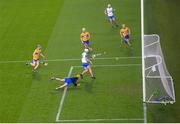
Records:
x=91, y=73
x=32, y=64
x=62, y=86
x=58, y=79
x=127, y=40
x=122, y=41
x=85, y=71
x=36, y=65
x=110, y=20
x=114, y=21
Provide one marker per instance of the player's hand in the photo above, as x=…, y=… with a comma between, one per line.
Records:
x=91, y=62
x=44, y=57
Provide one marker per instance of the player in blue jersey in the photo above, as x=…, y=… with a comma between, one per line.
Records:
x=86, y=64
x=67, y=81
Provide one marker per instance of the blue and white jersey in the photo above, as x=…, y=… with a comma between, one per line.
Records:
x=84, y=58
x=109, y=11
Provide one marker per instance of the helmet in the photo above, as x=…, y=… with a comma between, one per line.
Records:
x=38, y=46
x=83, y=29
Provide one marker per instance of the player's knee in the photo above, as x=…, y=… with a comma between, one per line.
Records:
x=33, y=64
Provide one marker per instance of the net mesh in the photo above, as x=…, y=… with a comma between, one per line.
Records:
x=159, y=83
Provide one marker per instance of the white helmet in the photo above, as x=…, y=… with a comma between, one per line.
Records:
x=83, y=29
x=109, y=5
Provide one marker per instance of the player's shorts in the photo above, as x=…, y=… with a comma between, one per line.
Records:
x=86, y=42
x=126, y=37
x=68, y=80
x=35, y=60
x=110, y=17
x=85, y=65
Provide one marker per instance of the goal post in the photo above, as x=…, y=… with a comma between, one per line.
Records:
x=159, y=87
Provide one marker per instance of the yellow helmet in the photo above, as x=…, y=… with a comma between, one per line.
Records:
x=78, y=76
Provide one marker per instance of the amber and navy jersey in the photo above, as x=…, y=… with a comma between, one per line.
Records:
x=36, y=54
x=85, y=36
x=124, y=31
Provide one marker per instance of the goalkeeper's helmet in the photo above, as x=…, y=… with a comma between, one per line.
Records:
x=78, y=76
x=38, y=46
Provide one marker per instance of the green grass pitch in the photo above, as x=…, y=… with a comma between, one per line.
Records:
x=116, y=94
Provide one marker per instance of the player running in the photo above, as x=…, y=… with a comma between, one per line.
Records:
x=109, y=11
x=85, y=63
x=36, y=54
x=125, y=32
x=67, y=81
x=85, y=37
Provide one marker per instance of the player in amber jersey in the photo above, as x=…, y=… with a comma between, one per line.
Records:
x=36, y=54
x=125, y=34
x=85, y=38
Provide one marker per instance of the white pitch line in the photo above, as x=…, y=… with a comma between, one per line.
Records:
x=91, y=120
x=75, y=59
x=63, y=97
x=65, y=90
x=116, y=65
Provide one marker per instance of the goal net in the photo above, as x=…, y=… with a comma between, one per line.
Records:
x=158, y=82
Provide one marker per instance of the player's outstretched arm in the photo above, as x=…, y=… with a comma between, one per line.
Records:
x=90, y=61
x=105, y=12
x=81, y=39
x=42, y=55
x=129, y=31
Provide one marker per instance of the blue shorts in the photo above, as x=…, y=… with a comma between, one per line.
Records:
x=126, y=37
x=35, y=60
x=68, y=80
x=85, y=65
x=110, y=17
x=86, y=42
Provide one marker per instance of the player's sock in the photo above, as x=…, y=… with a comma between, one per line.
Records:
x=27, y=63
x=81, y=75
x=53, y=78
x=57, y=88
x=34, y=70
x=93, y=77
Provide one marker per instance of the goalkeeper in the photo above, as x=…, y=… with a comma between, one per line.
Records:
x=67, y=81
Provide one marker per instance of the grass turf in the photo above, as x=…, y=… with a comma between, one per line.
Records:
x=162, y=18
x=56, y=25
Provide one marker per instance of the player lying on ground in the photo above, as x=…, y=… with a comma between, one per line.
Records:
x=85, y=63
x=109, y=11
x=67, y=81
x=85, y=38
x=125, y=35
x=36, y=54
